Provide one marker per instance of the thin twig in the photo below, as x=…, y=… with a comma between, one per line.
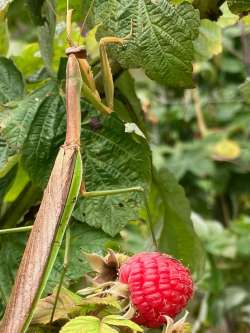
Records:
x=199, y=115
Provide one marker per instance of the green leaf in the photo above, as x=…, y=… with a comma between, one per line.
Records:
x=228, y=18
x=178, y=237
x=239, y=6
x=6, y=181
x=43, y=16
x=4, y=33
x=66, y=305
x=11, y=83
x=16, y=123
x=82, y=324
x=161, y=41
x=130, y=166
x=117, y=320
x=35, y=8
x=192, y=157
x=107, y=300
x=209, y=42
x=45, y=135
x=126, y=92
x=46, y=34
x=35, y=63
x=20, y=182
x=90, y=324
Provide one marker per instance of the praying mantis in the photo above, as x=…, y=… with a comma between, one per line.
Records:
x=63, y=188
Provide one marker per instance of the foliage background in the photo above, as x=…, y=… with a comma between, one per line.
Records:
x=198, y=137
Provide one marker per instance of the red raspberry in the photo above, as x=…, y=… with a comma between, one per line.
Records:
x=158, y=284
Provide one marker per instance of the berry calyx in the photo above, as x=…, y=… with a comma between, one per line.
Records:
x=159, y=286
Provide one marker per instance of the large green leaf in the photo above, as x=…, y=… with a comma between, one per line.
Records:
x=117, y=320
x=15, y=123
x=125, y=91
x=112, y=159
x=239, y=6
x=161, y=41
x=46, y=133
x=11, y=83
x=178, y=237
x=90, y=324
x=209, y=42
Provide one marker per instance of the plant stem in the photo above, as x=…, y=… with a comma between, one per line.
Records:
x=15, y=230
x=198, y=110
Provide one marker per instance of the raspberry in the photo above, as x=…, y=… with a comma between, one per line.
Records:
x=159, y=286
